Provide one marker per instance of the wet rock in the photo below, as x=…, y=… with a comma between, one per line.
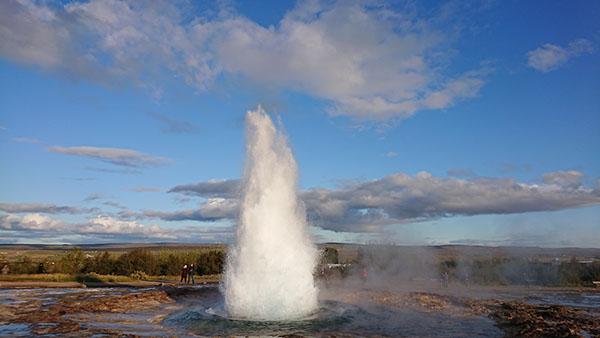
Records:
x=526, y=320
x=56, y=318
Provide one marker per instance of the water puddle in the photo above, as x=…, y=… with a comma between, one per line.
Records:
x=14, y=330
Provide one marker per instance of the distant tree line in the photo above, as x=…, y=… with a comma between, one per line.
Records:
x=163, y=262
x=522, y=271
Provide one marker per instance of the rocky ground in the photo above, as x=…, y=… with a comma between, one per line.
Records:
x=133, y=312
x=526, y=320
x=514, y=317
x=78, y=313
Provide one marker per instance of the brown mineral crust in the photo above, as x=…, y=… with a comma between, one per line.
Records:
x=526, y=320
x=53, y=319
x=424, y=301
x=420, y=301
x=481, y=307
x=517, y=319
x=124, y=303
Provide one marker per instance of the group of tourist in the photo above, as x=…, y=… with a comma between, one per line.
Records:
x=188, y=273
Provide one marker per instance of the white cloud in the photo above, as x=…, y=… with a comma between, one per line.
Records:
x=391, y=154
x=36, y=228
x=549, y=57
x=367, y=60
x=117, y=156
x=32, y=34
x=30, y=222
x=107, y=224
x=371, y=63
x=102, y=226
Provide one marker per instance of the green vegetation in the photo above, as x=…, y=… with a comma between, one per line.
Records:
x=137, y=264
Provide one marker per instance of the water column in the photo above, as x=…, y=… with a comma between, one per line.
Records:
x=269, y=272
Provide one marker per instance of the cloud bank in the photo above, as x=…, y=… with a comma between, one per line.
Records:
x=98, y=225
x=400, y=198
x=358, y=207
x=549, y=57
x=367, y=60
x=100, y=228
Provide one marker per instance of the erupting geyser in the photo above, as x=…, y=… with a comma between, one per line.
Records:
x=269, y=273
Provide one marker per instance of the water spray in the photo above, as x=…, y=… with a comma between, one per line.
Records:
x=269, y=272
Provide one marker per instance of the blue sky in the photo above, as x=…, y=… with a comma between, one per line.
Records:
x=412, y=123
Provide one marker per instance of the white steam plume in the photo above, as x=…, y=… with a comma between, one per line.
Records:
x=269, y=273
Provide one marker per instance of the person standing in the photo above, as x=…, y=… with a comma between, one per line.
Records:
x=191, y=273
x=184, y=274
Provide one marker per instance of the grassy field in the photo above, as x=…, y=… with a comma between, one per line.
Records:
x=55, y=277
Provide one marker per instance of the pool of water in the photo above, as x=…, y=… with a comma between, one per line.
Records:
x=14, y=330
x=333, y=317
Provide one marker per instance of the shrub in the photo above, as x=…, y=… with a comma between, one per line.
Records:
x=24, y=265
x=139, y=275
x=138, y=260
x=72, y=262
